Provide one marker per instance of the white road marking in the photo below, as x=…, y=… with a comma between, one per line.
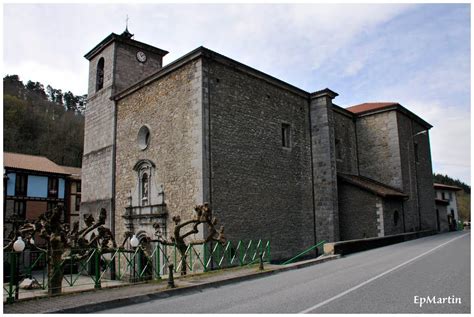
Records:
x=377, y=276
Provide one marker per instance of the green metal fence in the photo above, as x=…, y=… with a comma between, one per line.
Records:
x=96, y=268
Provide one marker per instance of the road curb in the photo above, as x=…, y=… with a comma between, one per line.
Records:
x=120, y=302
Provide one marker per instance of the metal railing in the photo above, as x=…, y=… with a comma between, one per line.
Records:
x=119, y=266
x=293, y=259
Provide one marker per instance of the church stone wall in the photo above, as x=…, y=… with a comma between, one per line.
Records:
x=259, y=189
x=417, y=176
x=379, y=149
x=131, y=70
x=98, y=140
x=345, y=138
x=171, y=107
x=357, y=212
x=390, y=207
x=324, y=168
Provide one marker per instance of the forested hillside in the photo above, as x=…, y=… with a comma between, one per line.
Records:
x=43, y=121
x=463, y=196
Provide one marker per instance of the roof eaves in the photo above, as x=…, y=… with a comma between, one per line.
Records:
x=325, y=91
x=202, y=51
x=183, y=60
x=115, y=37
x=447, y=187
x=348, y=179
x=394, y=107
x=343, y=111
x=256, y=73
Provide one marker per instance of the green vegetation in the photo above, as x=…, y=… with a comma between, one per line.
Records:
x=463, y=196
x=48, y=123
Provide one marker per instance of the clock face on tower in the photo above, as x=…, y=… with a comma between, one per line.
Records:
x=141, y=57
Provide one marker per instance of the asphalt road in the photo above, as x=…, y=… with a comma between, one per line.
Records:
x=383, y=280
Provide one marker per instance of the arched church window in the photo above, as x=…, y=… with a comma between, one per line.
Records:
x=144, y=189
x=100, y=75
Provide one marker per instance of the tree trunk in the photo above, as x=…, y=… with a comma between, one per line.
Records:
x=182, y=250
x=55, y=268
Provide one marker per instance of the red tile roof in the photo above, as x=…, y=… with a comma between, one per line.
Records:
x=371, y=186
x=371, y=106
x=74, y=171
x=447, y=187
x=33, y=163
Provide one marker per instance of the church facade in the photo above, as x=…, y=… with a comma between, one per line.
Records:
x=275, y=162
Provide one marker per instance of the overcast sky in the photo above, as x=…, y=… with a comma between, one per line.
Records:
x=417, y=55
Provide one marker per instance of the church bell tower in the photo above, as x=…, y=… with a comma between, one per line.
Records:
x=115, y=64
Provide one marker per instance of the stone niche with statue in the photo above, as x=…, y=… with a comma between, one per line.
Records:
x=146, y=202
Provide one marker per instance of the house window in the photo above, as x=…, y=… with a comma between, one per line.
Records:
x=21, y=184
x=443, y=196
x=78, y=187
x=100, y=75
x=144, y=189
x=285, y=135
x=52, y=187
x=78, y=203
x=450, y=195
x=19, y=208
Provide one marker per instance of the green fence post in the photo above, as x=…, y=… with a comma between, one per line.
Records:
x=139, y=263
x=191, y=257
x=119, y=271
x=174, y=248
x=157, y=257
x=268, y=251
x=11, y=298
x=204, y=257
x=241, y=258
x=97, y=269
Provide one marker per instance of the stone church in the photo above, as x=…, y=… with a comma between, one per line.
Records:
x=274, y=161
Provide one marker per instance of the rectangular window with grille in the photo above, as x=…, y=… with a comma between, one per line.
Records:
x=21, y=184
x=78, y=203
x=19, y=208
x=52, y=187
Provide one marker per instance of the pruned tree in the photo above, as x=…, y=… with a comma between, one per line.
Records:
x=65, y=243
x=184, y=229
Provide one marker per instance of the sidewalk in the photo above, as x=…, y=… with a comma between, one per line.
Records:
x=92, y=301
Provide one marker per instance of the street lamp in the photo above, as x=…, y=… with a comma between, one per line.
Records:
x=18, y=246
x=134, y=241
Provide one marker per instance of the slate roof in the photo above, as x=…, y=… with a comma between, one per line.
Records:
x=371, y=186
x=35, y=163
